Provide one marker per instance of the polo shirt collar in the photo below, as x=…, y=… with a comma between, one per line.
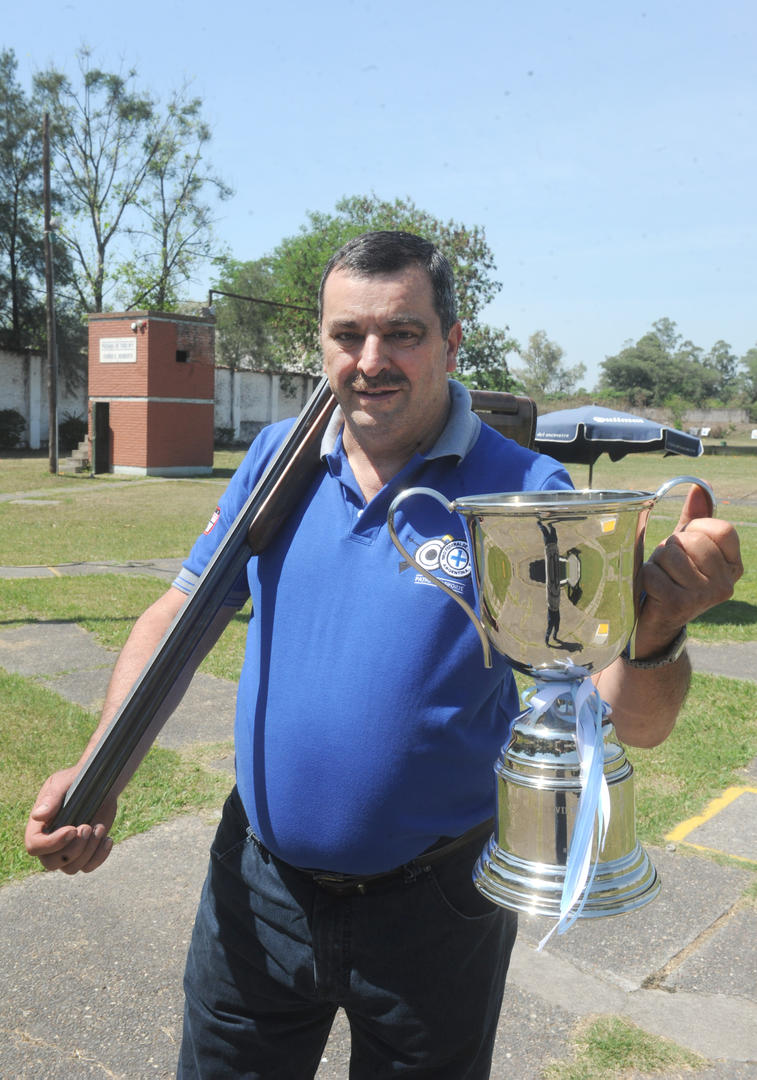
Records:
x=456, y=440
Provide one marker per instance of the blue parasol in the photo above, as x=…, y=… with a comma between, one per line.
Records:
x=579, y=436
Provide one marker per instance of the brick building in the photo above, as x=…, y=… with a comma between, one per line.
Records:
x=151, y=393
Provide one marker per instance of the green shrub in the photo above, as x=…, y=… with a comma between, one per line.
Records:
x=12, y=428
x=224, y=436
x=71, y=430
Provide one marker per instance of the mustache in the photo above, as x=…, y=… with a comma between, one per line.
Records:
x=384, y=381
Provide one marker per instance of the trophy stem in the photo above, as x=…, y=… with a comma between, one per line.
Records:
x=577, y=694
x=565, y=842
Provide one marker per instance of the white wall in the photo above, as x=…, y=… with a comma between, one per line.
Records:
x=697, y=417
x=245, y=401
x=23, y=387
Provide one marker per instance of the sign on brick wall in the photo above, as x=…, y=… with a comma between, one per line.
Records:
x=116, y=350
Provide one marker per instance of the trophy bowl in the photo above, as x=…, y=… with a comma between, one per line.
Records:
x=555, y=575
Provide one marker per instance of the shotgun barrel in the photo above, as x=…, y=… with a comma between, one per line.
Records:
x=271, y=501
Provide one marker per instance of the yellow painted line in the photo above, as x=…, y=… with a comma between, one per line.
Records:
x=729, y=795
x=717, y=851
x=54, y=571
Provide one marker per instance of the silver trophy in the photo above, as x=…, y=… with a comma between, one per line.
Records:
x=555, y=575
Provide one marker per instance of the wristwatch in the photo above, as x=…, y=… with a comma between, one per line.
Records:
x=671, y=654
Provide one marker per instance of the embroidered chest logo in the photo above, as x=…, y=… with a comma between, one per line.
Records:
x=443, y=553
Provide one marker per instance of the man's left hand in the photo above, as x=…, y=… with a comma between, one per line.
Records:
x=690, y=572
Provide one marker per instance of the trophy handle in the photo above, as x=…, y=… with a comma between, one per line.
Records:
x=688, y=480
x=662, y=491
x=451, y=508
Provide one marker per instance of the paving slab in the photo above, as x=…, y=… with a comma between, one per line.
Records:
x=632, y=948
x=726, y=1070
x=90, y=979
x=48, y=649
x=736, y=659
x=724, y=962
x=532, y=1033
x=66, y=658
x=166, y=569
x=13, y=572
x=713, y=1025
x=730, y=828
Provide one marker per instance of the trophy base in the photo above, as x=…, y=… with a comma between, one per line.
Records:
x=619, y=886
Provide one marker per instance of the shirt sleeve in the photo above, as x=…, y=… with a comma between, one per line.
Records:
x=223, y=517
x=557, y=480
x=547, y=474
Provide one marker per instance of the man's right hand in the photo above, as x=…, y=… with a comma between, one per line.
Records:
x=73, y=847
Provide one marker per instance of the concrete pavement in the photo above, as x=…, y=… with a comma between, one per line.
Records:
x=90, y=976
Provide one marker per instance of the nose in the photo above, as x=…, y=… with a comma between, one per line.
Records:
x=373, y=355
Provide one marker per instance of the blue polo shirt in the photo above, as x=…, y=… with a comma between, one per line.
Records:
x=367, y=725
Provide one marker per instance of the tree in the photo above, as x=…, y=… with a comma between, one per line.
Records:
x=297, y=263
x=102, y=149
x=545, y=375
x=632, y=372
x=22, y=262
x=666, y=332
x=658, y=368
x=749, y=362
x=126, y=170
x=22, y=313
x=486, y=352
x=175, y=232
x=724, y=363
x=244, y=329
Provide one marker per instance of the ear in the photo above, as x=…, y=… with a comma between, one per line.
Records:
x=454, y=338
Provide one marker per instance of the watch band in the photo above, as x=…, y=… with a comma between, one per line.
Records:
x=671, y=654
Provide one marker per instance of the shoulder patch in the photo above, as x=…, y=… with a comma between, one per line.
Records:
x=211, y=524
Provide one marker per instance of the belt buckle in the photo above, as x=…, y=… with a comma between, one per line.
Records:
x=338, y=883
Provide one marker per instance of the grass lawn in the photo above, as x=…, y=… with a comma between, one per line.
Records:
x=38, y=729
x=610, y=1048
x=59, y=519
x=733, y=477
x=106, y=522
x=107, y=605
x=80, y=520
x=714, y=738
x=28, y=471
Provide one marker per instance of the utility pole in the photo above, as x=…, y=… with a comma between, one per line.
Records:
x=52, y=350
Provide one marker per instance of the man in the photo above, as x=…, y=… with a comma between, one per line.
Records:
x=367, y=725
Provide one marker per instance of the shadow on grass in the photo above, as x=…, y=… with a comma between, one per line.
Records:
x=20, y=453
x=729, y=613
x=241, y=617
x=72, y=620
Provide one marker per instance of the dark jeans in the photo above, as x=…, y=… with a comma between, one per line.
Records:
x=419, y=968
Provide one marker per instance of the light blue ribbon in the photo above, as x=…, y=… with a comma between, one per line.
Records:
x=594, y=801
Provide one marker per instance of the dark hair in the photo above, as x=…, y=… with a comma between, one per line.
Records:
x=387, y=252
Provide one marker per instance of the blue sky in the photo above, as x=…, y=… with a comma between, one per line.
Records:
x=607, y=148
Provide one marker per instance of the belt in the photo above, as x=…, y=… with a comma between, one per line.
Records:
x=357, y=885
